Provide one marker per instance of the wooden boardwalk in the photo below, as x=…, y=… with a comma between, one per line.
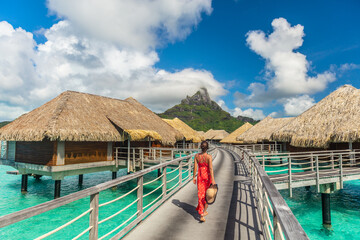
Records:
x=233, y=215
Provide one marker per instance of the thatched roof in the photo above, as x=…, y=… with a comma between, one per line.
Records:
x=215, y=134
x=231, y=138
x=74, y=116
x=202, y=133
x=334, y=119
x=189, y=133
x=262, y=131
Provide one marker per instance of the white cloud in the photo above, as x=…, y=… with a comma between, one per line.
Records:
x=297, y=105
x=32, y=74
x=256, y=114
x=349, y=66
x=139, y=24
x=286, y=70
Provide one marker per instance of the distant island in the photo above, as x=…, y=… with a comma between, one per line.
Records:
x=201, y=113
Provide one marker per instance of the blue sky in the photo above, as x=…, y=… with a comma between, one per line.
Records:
x=159, y=58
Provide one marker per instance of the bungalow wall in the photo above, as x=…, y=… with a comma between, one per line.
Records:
x=42, y=153
x=7, y=150
x=52, y=153
x=85, y=152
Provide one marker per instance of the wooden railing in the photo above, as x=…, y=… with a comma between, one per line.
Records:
x=184, y=167
x=277, y=220
x=133, y=157
x=262, y=147
x=295, y=167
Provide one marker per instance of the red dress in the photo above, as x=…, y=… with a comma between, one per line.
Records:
x=203, y=181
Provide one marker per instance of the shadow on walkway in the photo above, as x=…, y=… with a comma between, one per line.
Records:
x=243, y=221
x=190, y=209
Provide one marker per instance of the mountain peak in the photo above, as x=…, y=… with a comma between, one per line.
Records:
x=201, y=97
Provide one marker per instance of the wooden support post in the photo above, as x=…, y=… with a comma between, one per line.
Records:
x=57, y=189
x=312, y=162
x=317, y=173
x=24, y=183
x=140, y=192
x=290, y=177
x=113, y=175
x=172, y=154
x=341, y=172
x=128, y=156
x=142, y=158
x=81, y=178
x=134, y=161
x=164, y=188
x=116, y=157
x=94, y=216
x=332, y=160
x=263, y=161
x=326, y=212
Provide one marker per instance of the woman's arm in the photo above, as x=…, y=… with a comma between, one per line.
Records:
x=211, y=170
x=195, y=169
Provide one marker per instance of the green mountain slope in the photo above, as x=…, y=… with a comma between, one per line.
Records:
x=202, y=114
x=4, y=123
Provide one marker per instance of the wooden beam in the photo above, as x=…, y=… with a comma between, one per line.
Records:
x=60, y=159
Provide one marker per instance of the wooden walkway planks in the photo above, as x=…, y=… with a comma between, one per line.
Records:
x=178, y=219
x=243, y=219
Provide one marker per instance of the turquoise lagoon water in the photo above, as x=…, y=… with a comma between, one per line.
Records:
x=306, y=205
x=40, y=191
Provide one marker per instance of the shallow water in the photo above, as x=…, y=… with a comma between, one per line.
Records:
x=306, y=206
x=39, y=191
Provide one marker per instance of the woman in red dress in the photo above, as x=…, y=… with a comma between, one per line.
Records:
x=205, y=178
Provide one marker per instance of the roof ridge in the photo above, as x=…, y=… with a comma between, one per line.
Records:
x=58, y=110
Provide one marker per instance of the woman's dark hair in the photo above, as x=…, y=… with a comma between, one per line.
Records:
x=207, y=145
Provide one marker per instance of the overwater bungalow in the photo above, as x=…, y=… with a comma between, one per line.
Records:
x=262, y=131
x=231, y=138
x=75, y=133
x=215, y=135
x=333, y=123
x=190, y=135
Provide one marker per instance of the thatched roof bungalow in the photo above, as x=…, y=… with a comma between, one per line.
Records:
x=261, y=132
x=215, y=135
x=77, y=128
x=231, y=138
x=333, y=120
x=190, y=134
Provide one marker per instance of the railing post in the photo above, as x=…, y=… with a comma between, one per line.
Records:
x=317, y=173
x=312, y=162
x=94, y=216
x=140, y=192
x=341, y=172
x=172, y=154
x=263, y=161
x=116, y=157
x=160, y=156
x=276, y=225
x=290, y=177
x=164, y=188
x=332, y=160
x=142, y=158
x=134, y=160
x=180, y=174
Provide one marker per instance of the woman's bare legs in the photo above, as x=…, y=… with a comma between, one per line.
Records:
x=205, y=207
